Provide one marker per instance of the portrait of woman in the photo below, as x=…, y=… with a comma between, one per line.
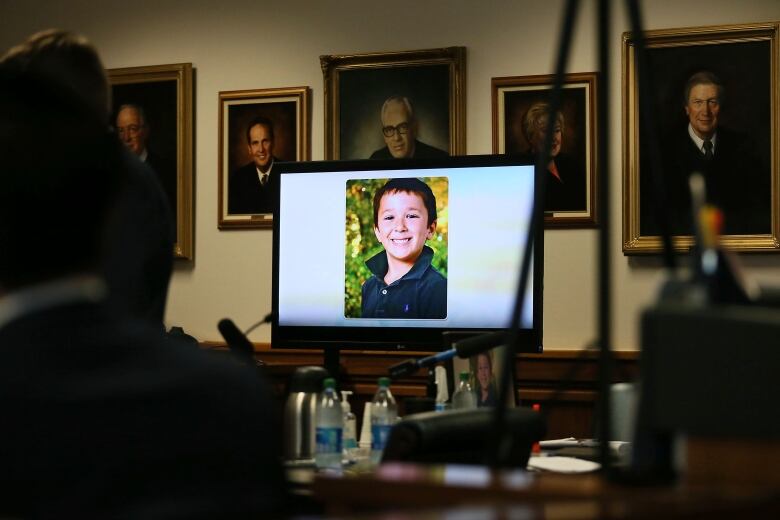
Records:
x=486, y=381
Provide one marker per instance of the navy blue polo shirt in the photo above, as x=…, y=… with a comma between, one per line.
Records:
x=419, y=294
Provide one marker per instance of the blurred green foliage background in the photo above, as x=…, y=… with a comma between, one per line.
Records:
x=361, y=243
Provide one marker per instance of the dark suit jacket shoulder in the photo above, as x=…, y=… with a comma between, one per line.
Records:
x=106, y=418
x=570, y=192
x=421, y=151
x=246, y=195
x=736, y=181
x=166, y=175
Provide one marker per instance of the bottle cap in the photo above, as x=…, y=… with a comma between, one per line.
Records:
x=329, y=382
x=384, y=381
x=464, y=376
x=345, y=406
x=536, y=447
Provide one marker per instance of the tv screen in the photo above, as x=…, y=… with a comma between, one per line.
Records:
x=392, y=254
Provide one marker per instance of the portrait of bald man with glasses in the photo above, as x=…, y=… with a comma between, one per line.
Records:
x=133, y=129
x=399, y=129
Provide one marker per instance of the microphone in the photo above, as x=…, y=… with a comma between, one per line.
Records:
x=404, y=368
x=474, y=345
x=237, y=342
x=463, y=349
x=410, y=366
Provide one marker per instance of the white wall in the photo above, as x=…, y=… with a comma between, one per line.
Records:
x=262, y=44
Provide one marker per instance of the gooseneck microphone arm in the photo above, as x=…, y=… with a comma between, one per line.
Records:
x=410, y=366
x=237, y=342
x=267, y=319
x=464, y=349
x=500, y=443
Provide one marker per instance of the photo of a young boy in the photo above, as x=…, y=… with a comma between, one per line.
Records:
x=403, y=283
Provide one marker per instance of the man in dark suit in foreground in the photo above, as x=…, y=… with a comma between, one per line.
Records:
x=138, y=252
x=251, y=187
x=103, y=417
x=399, y=128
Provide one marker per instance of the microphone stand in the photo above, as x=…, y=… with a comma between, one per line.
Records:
x=603, y=213
x=500, y=440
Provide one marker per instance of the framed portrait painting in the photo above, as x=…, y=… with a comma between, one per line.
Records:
x=520, y=108
x=257, y=129
x=153, y=117
x=714, y=109
x=485, y=371
x=408, y=104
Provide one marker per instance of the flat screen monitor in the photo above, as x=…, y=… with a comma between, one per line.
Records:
x=391, y=255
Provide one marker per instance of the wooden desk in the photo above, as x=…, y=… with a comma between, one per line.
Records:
x=408, y=490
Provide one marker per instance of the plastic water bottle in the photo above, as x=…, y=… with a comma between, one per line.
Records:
x=350, y=425
x=464, y=396
x=383, y=417
x=330, y=424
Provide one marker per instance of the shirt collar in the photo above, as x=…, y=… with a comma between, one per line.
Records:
x=377, y=264
x=143, y=155
x=84, y=288
x=260, y=174
x=699, y=142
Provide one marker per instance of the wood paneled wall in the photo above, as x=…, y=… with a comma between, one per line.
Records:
x=563, y=382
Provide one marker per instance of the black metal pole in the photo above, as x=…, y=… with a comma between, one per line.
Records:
x=605, y=271
x=499, y=442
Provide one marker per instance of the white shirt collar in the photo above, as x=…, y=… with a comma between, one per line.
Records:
x=83, y=288
x=260, y=174
x=143, y=155
x=699, y=142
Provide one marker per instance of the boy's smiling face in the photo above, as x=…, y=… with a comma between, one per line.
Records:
x=402, y=225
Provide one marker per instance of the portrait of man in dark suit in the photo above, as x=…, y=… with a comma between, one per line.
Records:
x=134, y=129
x=407, y=104
x=250, y=187
x=706, y=106
x=144, y=116
x=258, y=130
x=735, y=180
x=152, y=115
x=399, y=129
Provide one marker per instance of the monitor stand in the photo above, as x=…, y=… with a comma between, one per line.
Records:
x=331, y=363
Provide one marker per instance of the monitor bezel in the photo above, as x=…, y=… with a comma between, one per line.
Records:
x=398, y=338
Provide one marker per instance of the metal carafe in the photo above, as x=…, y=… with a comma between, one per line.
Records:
x=300, y=414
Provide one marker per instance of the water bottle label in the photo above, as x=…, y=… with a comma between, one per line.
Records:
x=328, y=440
x=379, y=435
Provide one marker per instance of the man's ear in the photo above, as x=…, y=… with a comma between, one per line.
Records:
x=376, y=232
x=431, y=230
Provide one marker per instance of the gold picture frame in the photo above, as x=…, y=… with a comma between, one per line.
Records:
x=573, y=193
x=357, y=85
x=743, y=59
x=243, y=201
x=165, y=94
